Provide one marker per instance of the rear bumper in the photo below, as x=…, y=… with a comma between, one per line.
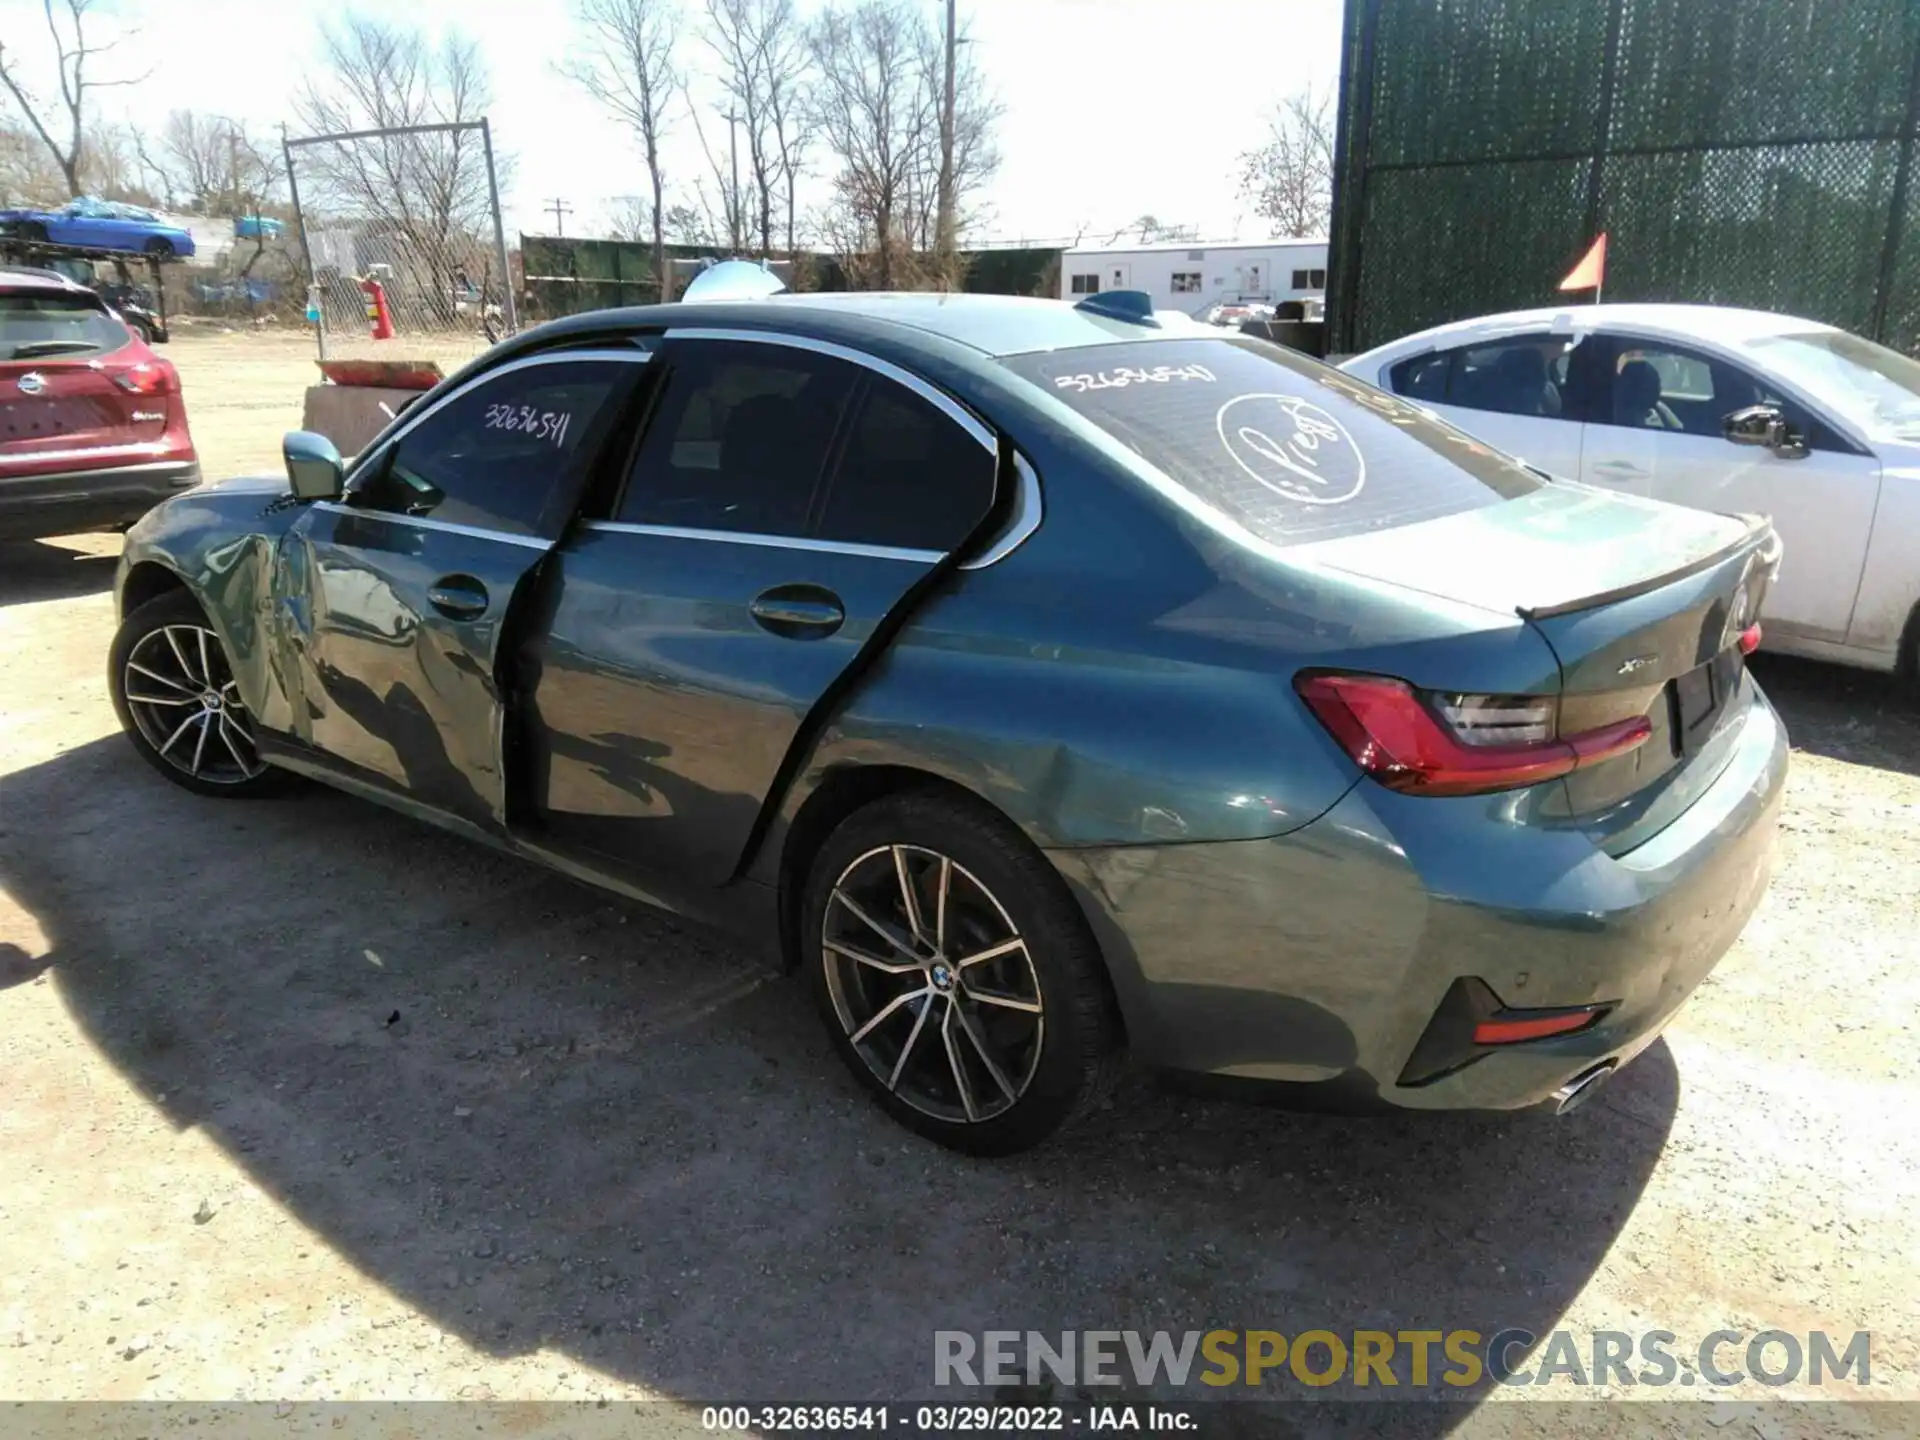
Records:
x=1319, y=958
x=32, y=506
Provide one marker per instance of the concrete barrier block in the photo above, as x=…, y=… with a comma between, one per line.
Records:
x=351, y=415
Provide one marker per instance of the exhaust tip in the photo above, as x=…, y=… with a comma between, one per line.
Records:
x=1577, y=1091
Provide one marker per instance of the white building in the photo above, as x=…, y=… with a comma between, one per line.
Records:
x=1182, y=275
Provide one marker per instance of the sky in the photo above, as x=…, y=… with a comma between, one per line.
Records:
x=1113, y=108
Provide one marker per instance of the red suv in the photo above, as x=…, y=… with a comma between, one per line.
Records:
x=93, y=430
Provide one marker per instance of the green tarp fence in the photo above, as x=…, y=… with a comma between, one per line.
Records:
x=1738, y=152
x=565, y=276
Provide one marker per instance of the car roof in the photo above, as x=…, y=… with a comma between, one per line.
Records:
x=1722, y=324
x=993, y=325
x=19, y=278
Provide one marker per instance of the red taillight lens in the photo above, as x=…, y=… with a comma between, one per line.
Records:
x=149, y=377
x=1750, y=639
x=1392, y=735
x=1512, y=1029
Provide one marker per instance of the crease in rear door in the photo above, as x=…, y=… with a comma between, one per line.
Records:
x=1006, y=490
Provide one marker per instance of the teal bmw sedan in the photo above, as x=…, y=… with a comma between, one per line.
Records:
x=1048, y=683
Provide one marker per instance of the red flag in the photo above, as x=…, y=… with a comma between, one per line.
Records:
x=1591, y=272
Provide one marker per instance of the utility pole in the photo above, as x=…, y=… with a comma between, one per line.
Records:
x=943, y=223
x=736, y=212
x=560, y=210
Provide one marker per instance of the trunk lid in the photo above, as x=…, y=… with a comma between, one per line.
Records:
x=72, y=405
x=59, y=354
x=1643, y=605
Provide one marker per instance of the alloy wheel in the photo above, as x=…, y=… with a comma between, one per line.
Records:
x=932, y=983
x=183, y=696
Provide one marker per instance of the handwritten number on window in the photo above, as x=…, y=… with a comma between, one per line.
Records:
x=524, y=419
x=1127, y=375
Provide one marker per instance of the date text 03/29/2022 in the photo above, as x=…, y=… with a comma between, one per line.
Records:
x=943, y=1419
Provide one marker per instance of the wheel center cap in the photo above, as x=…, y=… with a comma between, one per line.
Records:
x=210, y=700
x=941, y=974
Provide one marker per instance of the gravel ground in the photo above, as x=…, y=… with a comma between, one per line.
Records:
x=305, y=1101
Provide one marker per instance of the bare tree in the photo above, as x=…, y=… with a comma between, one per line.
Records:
x=876, y=120
x=976, y=117
x=881, y=73
x=1150, y=228
x=1289, y=178
x=210, y=165
x=111, y=167
x=689, y=225
x=732, y=218
x=786, y=73
x=732, y=33
x=72, y=52
x=760, y=53
x=627, y=64
x=429, y=193
x=28, y=176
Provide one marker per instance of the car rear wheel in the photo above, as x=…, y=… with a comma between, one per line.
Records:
x=956, y=976
x=177, y=700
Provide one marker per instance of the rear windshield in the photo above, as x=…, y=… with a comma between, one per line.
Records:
x=35, y=324
x=1285, y=448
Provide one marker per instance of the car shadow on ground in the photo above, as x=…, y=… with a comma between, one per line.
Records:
x=32, y=570
x=1859, y=716
x=545, y=1119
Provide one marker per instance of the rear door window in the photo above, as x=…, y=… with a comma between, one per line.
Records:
x=1283, y=447
x=1524, y=375
x=741, y=438
x=42, y=325
x=910, y=478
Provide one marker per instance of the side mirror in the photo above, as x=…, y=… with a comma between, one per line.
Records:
x=314, y=468
x=1766, y=426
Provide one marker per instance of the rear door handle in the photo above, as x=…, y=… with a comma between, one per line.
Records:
x=458, y=597
x=1619, y=469
x=798, y=612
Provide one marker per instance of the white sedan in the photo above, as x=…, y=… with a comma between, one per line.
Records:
x=1720, y=409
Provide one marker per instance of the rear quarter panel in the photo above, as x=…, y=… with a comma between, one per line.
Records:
x=1890, y=580
x=1125, y=677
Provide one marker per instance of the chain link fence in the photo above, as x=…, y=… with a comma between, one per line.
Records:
x=1741, y=152
x=405, y=249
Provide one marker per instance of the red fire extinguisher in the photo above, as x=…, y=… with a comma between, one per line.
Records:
x=378, y=315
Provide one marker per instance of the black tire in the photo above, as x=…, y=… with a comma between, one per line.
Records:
x=1053, y=1065
x=33, y=230
x=226, y=765
x=160, y=249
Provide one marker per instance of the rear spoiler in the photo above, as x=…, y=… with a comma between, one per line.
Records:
x=1758, y=536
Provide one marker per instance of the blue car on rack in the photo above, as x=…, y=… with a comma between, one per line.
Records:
x=91, y=224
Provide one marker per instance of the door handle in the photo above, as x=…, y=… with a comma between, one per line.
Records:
x=798, y=612
x=1623, y=469
x=458, y=597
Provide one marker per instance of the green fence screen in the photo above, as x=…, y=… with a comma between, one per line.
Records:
x=565, y=276
x=1738, y=152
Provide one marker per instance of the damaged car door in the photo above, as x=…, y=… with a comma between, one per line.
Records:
x=394, y=601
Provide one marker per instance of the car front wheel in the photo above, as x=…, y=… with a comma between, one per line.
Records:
x=956, y=976
x=174, y=690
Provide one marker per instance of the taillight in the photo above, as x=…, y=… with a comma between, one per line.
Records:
x=1456, y=744
x=1750, y=639
x=149, y=377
